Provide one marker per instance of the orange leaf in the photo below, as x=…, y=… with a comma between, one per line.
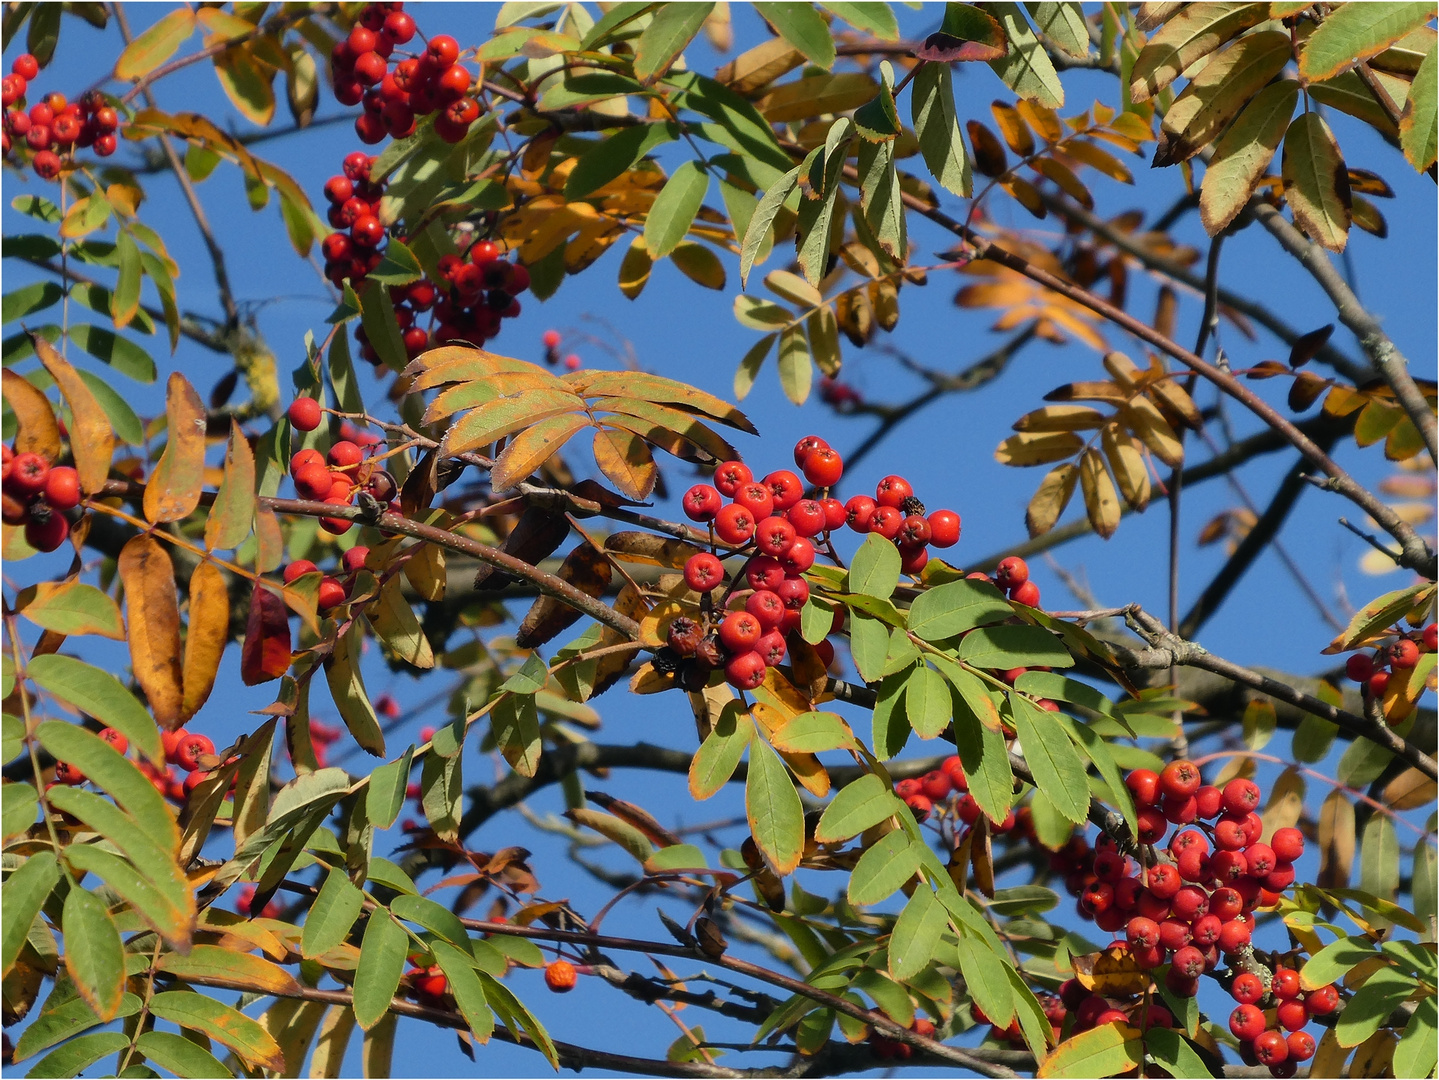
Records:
x=266, y=652
x=152, y=612
x=92, y=438
x=38, y=431
x=532, y=447
x=174, y=488
x=1111, y=971
x=205, y=638
x=626, y=461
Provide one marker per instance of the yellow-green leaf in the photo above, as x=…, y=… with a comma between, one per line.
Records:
x=155, y=45
x=1244, y=153
x=1316, y=183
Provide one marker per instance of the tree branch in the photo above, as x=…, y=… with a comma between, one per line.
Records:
x=1376, y=344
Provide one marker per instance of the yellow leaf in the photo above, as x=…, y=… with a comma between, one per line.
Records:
x=173, y=490
x=1050, y=500
x=92, y=438
x=1100, y=501
x=38, y=431
x=1127, y=461
x=531, y=448
x=626, y=461
x=152, y=612
x=1038, y=448
x=1111, y=971
x=155, y=45
x=205, y=638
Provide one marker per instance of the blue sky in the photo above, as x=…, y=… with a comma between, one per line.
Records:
x=681, y=330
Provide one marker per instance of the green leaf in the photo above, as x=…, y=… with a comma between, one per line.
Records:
x=757, y=234
x=466, y=987
x=518, y=1018
x=916, y=934
x=1107, y=1050
x=868, y=644
x=119, y=352
x=1379, y=855
x=382, y=962
x=336, y=907
x=19, y=801
x=516, y=728
x=72, y=607
x=347, y=687
x=102, y=696
x=174, y=922
x=1372, y=1005
x=1057, y=769
x=812, y=733
x=1416, y=1053
x=1063, y=24
x=874, y=571
x=772, y=806
x=1026, y=69
x=802, y=27
x=948, y=610
x=616, y=155
x=1333, y=961
x=433, y=917
x=936, y=126
x=1004, y=647
x=58, y=1023
x=720, y=754
x=121, y=416
x=1050, y=685
x=985, y=978
x=399, y=266
x=1316, y=185
x=1098, y=751
x=888, y=863
x=858, y=805
x=25, y=891
x=395, y=623
x=669, y=32
x=927, y=702
x=1426, y=886
x=377, y=316
x=387, y=790
x=441, y=790
x=34, y=297
x=179, y=1055
x=223, y=1024
x=125, y=300
x=1419, y=122
x=113, y=772
x=813, y=233
x=675, y=207
x=94, y=954
x=1189, y=36
x=1354, y=32
x=1243, y=154
x=985, y=758
x=796, y=373
x=79, y=1054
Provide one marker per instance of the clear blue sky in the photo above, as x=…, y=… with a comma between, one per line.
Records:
x=681, y=330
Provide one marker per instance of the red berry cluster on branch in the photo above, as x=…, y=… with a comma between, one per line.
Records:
x=38, y=496
x=1373, y=670
x=53, y=126
x=397, y=89
x=773, y=521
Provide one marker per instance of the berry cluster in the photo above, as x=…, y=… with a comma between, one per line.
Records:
x=1372, y=670
x=53, y=125
x=37, y=495
x=477, y=288
x=773, y=522
x=551, y=341
x=1194, y=905
x=924, y=794
x=887, y=1049
x=433, y=81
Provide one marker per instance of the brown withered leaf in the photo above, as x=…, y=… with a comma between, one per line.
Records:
x=855, y=317
x=152, y=612
x=535, y=536
x=711, y=942
x=1266, y=369
x=646, y=680
x=1026, y=194
x=92, y=437
x=1305, y=390
x=1368, y=217
x=884, y=299
x=37, y=430
x=1107, y=392
x=1100, y=501
x=1336, y=841
x=626, y=461
x=760, y=66
x=205, y=636
x=650, y=549
x=981, y=856
x=989, y=156
x=173, y=490
x=640, y=818
x=1308, y=345
x=588, y=570
x=1111, y=971
x=1166, y=311
x=418, y=490
x=265, y=655
x=1408, y=790
x=1048, y=503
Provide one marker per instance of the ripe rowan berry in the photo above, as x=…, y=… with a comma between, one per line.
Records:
x=1026, y=594
x=62, y=488
x=886, y=521
x=191, y=749
x=1323, y=1001
x=771, y=648
x=336, y=526
x=944, y=528
x=441, y=51
x=560, y=977
x=734, y=524
x=1143, y=785
x=823, y=467
x=835, y=514
x=892, y=491
x=935, y=784
x=745, y=671
x=314, y=481
x=786, y=489
x=764, y=572
x=798, y=557
x=331, y=593
x=1292, y=1015
x=1271, y=1048
x=1288, y=844
x=702, y=503
x=1235, y=934
x=1431, y=638
x=741, y=629
x=1246, y=1022
x=1180, y=810
x=304, y=412
x=1404, y=654
x=1180, y=778
x=1301, y=1046
x=1011, y=573
x=1377, y=684
x=1208, y=801
x=913, y=532
x=1190, y=902
x=703, y=572
x=805, y=447
x=118, y=741
x=46, y=533
x=1285, y=984
x=807, y=516
x=755, y=497
x=28, y=473
x=1260, y=858
x=1164, y=881
x=1142, y=931
x=773, y=535
x=1359, y=667
x=767, y=607
x=26, y=66
x=859, y=512
x=66, y=773
x=920, y=806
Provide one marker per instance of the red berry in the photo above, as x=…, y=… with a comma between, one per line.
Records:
x=1260, y=858
x=886, y=521
x=771, y=648
x=1270, y=1047
x=835, y=514
x=1241, y=796
x=1404, y=654
x=1288, y=844
x=354, y=559
x=1301, y=1045
x=764, y=572
x=48, y=533
x=65, y=773
x=1246, y=1022
x=1026, y=594
x=944, y=528
x=913, y=532
x=26, y=66
x=190, y=749
x=331, y=594
x=551, y=339
x=823, y=467
x=745, y=671
x=920, y=806
x=1431, y=638
x=805, y=447
x=807, y=516
x=1359, y=667
x=1292, y=1015
x=859, y=511
x=28, y=473
x=1378, y=683
x=1323, y=1001
x=892, y=491
x=1011, y=573
x=935, y=784
x=1180, y=778
x=734, y=524
x=1235, y=934
x=756, y=498
x=115, y=739
x=304, y=413
x=774, y=535
x=1285, y=984
x=740, y=630
x=703, y=572
x=702, y=503
x=345, y=455
x=1143, y=785
x=62, y=488
x=560, y=976
x=442, y=51
x=785, y=488
x=1142, y=931
x=1208, y=801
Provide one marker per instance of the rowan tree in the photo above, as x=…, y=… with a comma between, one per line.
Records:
x=970, y=815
